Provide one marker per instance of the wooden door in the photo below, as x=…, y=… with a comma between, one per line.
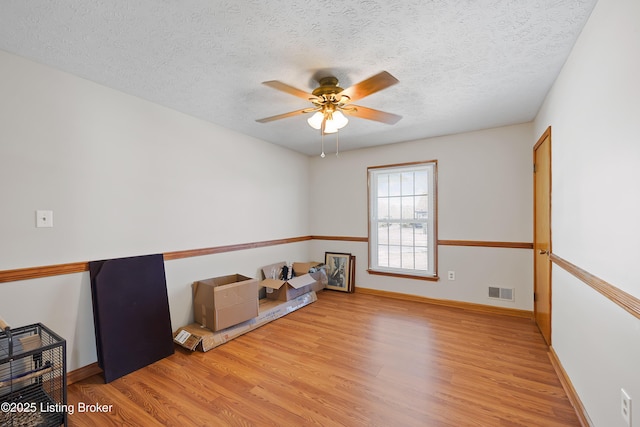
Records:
x=542, y=234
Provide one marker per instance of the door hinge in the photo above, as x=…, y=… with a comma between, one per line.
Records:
x=535, y=168
x=535, y=297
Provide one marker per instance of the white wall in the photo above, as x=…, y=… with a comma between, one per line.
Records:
x=594, y=111
x=484, y=193
x=126, y=177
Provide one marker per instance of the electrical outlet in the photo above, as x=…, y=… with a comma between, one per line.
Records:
x=625, y=406
x=451, y=275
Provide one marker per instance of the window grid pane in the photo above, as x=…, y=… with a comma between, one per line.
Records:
x=407, y=235
x=383, y=255
x=395, y=208
x=383, y=185
x=394, y=234
x=394, y=184
x=407, y=183
x=421, y=258
x=394, y=256
x=383, y=208
x=383, y=233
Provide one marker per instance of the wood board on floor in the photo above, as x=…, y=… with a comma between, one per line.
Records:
x=196, y=337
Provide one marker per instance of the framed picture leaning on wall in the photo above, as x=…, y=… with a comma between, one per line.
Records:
x=339, y=273
x=352, y=274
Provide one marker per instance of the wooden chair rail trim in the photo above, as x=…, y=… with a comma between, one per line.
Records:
x=168, y=256
x=626, y=301
x=44, y=271
x=487, y=244
x=572, y=395
x=342, y=238
x=449, y=303
x=79, y=267
x=478, y=243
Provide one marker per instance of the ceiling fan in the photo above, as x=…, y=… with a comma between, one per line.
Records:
x=331, y=102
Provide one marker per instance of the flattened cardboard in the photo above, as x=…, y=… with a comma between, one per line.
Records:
x=225, y=301
x=196, y=337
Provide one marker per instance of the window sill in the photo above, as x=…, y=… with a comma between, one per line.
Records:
x=404, y=276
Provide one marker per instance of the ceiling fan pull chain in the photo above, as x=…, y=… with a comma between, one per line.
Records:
x=322, y=142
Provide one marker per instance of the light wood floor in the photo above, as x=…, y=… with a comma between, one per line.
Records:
x=348, y=360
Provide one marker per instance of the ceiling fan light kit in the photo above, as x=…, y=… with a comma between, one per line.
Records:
x=332, y=121
x=331, y=103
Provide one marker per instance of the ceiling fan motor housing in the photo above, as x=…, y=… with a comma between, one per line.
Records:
x=328, y=86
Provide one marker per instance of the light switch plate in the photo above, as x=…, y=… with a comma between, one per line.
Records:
x=44, y=219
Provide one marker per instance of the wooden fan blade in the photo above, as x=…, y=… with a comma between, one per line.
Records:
x=371, y=114
x=371, y=85
x=289, y=89
x=285, y=115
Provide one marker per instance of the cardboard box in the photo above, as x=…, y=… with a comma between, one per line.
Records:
x=285, y=290
x=225, y=301
x=300, y=268
x=196, y=337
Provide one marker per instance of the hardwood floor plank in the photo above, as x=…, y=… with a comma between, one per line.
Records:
x=349, y=360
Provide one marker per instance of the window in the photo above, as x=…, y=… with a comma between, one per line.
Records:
x=402, y=220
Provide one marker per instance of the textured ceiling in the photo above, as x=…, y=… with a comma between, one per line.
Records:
x=462, y=65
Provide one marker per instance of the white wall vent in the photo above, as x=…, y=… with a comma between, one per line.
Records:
x=504, y=294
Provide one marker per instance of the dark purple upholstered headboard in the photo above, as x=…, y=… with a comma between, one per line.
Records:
x=131, y=313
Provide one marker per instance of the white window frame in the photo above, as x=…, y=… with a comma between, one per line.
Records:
x=428, y=224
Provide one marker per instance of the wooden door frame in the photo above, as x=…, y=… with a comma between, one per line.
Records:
x=546, y=134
